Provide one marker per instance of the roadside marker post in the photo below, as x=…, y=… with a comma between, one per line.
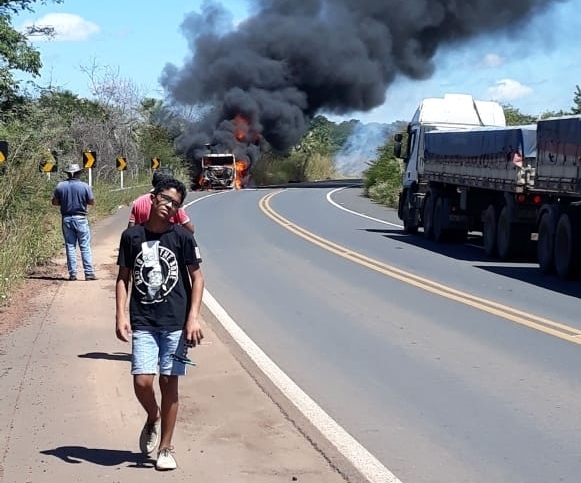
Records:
x=89, y=160
x=121, y=166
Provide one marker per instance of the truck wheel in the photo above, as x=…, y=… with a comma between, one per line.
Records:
x=506, y=239
x=428, y=216
x=545, y=245
x=567, y=258
x=408, y=222
x=489, y=223
x=439, y=232
x=409, y=229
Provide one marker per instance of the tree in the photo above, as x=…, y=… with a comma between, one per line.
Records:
x=576, y=109
x=558, y=113
x=16, y=54
x=516, y=118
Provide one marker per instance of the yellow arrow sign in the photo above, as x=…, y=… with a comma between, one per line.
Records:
x=155, y=163
x=89, y=159
x=121, y=164
x=3, y=151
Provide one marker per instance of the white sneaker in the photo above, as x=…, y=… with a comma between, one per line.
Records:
x=149, y=437
x=165, y=460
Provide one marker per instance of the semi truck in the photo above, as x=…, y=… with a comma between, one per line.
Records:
x=519, y=186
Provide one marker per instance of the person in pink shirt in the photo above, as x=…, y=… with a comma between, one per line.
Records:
x=142, y=206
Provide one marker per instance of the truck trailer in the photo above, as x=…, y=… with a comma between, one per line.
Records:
x=466, y=171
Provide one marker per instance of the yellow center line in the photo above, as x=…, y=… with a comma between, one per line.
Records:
x=521, y=317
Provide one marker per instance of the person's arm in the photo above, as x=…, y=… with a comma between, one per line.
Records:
x=55, y=201
x=90, y=197
x=122, y=325
x=189, y=226
x=132, y=214
x=182, y=218
x=193, y=328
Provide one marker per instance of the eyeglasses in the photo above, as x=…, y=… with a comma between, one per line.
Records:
x=167, y=200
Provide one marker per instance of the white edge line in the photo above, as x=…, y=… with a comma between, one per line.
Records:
x=367, y=464
x=203, y=198
x=337, y=205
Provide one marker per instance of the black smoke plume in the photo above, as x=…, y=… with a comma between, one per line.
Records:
x=293, y=58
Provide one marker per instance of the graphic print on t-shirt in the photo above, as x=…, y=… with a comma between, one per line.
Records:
x=155, y=273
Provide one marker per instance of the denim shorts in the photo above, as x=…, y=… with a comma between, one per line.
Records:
x=152, y=350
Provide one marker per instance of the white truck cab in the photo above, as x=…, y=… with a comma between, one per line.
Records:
x=453, y=111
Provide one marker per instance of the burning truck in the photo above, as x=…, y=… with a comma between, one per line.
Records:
x=222, y=171
x=224, y=163
x=218, y=171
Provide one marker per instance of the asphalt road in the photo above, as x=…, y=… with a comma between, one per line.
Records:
x=439, y=387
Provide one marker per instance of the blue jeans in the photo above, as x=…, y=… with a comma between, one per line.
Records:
x=76, y=230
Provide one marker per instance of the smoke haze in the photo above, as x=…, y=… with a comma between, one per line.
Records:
x=361, y=148
x=293, y=58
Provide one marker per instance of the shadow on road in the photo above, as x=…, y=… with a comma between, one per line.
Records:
x=460, y=251
x=471, y=251
x=46, y=277
x=533, y=276
x=99, y=456
x=324, y=183
x=115, y=356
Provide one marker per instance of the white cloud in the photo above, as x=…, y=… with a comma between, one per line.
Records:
x=492, y=60
x=508, y=90
x=67, y=27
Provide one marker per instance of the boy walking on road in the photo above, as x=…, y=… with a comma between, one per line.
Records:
x=162, y=261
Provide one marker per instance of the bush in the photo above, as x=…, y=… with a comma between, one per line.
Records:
x=382, y=180
x=279, y=169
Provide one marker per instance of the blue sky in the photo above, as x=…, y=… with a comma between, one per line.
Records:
x=535, y=72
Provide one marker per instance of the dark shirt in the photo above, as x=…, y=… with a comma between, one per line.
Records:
x=73, y=196
x=161, y=290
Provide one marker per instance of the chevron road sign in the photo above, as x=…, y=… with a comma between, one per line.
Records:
x=89, y=159
x=121, y=164
x=3, y=151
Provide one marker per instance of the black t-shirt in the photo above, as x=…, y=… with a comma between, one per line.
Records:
x=161, y=287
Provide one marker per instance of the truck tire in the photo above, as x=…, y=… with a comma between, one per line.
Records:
x=506, y=239
x=408, y=222
x=567, y=260
x=489, y=225
x=545, y=245
x=439, y=232
x=428, y=216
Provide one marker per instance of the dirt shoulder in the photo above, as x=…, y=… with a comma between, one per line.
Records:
x=68, y=409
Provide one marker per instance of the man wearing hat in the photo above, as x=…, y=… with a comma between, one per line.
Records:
x=73, y=195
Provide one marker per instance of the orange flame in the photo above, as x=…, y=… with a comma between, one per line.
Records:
x=243, y=131
x=241, y=173
x=240, y=127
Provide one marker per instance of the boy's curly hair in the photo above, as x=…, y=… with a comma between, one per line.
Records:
x=169, y=183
